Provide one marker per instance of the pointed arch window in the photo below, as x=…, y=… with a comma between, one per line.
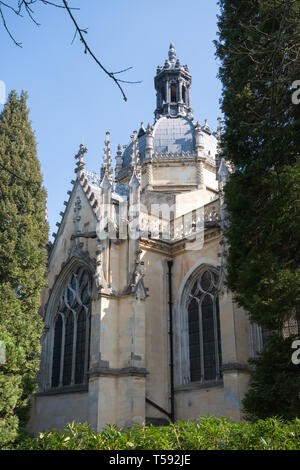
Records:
x=70, y=354
x=204, y=338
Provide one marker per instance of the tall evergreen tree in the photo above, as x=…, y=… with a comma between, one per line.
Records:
x=275, y=384
x=23, y=237
x=258, y=47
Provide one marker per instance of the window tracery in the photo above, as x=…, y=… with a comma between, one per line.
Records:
x=204, y=338
x=71, y=331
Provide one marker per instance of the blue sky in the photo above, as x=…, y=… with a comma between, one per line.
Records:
x=72, y=101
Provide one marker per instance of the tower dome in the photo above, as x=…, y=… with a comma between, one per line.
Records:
x=174, y=134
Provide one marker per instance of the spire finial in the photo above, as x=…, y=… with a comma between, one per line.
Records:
x=206, y=126
x=172, y=53
x=79, y=156
x=119, y=160
x=135, y=157
x=106, y=165
x=107, y=154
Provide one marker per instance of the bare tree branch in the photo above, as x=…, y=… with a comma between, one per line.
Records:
x=19, y=44
x=26, y=7
x=87, y=49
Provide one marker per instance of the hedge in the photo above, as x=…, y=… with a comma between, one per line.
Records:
x=205, y=433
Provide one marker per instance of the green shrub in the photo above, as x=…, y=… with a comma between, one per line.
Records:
x=205, y=433
x=275, y=383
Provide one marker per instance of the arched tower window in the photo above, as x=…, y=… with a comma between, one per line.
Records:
x=183, y=94
x=204, y=339
x=71, y=331
x=173, y=93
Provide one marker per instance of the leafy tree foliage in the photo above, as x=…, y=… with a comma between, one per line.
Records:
x=23, y=237
x=275, y=383
x=259, y=51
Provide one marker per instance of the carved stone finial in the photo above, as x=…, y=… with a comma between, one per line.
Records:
x=106, y=165
x=79, y=156
x=134, y=149
x=206, y=126
x=107, y=154
x=119, y=161
x=149, y=129
x=172, y=53
x=198, y=127
x=135, y=156
x=142, y=130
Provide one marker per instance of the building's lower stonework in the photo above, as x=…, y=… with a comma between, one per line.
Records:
x=138, y=324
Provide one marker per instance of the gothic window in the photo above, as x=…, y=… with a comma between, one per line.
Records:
x=71, y=331
x=204, y=337
x=173, y=93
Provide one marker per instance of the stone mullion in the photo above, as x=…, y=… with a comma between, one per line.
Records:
x=201, y=338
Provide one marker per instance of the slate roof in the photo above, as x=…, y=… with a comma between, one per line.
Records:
x=173, y=135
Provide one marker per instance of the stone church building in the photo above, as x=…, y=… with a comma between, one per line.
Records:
x=138, y=326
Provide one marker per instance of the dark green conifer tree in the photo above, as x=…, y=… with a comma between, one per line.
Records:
x=23, y=238
x=259, y=51
x=275, y=384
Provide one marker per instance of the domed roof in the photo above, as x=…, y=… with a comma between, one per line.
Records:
x=169, y=135
x=174, y=130
x=173, y=135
